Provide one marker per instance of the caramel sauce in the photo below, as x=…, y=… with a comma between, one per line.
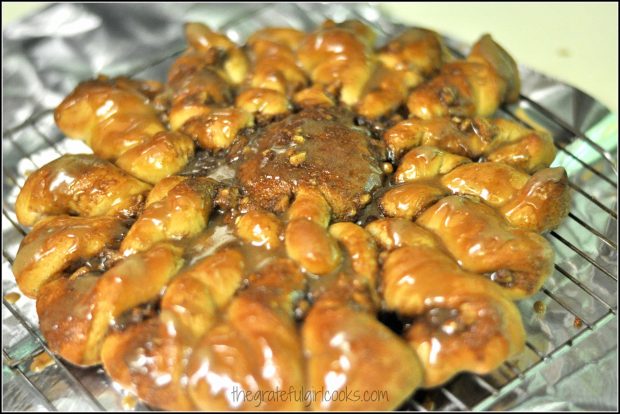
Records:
x=40, y=362
x=521, y=114
x=12, y=297
x=129, y=402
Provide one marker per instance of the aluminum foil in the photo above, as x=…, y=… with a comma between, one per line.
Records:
x=571, y=360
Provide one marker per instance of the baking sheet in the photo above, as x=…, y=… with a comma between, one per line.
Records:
x=47, y=54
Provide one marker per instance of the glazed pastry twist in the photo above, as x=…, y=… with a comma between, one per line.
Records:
x=462, y=322
x=475, y=86
x=254, y=347
x=418, y=53
x=259, y=228
x=57, y=243
x=200, y=89
x=339, y=58
x=204, y=40
x=144, y=354
x=404, y=62
x=495, y=140
x=306, y=237
x=538, y=203
x=84, y=306
x=343, y=344
x=275, y=75
x=120, y=125
x=177, y=207
x=518, y=260
x=79, y=184
x=496, y=238
x=341, y=329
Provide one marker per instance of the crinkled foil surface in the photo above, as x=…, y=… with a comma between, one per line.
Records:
x=567, y=365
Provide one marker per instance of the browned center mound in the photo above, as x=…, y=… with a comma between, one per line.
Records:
x=318, y=147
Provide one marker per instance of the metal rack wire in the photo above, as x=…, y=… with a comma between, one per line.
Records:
x=36, y=141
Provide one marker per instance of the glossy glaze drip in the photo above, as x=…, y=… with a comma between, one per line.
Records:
x=41, y=362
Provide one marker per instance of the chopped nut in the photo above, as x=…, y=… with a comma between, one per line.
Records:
x=297, y=159
x=447, y=95
x=365, y=199
x=465, y=125
x=387, y=168
x=539, y=307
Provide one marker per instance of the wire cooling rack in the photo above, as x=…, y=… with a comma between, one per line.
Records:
x=579, y=299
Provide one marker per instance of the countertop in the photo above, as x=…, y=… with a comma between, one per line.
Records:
x=573, y=42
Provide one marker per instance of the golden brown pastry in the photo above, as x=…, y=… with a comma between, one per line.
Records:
x=410, y=199
x=338, y=57
x=79, y=184
x=542, y=203
x=120, y=125
x=274, y=75
x=217, y=129
x=441, y=133
x=416, y=52
x=233, y=61
x=150, y=358
x=274, y=60
x=383, y=94
x=57, y=243
x=165, y=154
x=263, y=102
x=86, y=113
x=391, y=233
x=75, y=313
x=259, y=228
x=306, y=238
x=339, y=332
x=360, y=247
x=185, y=303
x=484, y=242
x=462, y=321
x=475, y=86
x=197, y=93
x=538, y=203
x=183, y=212
x=343, y=346
x=495, y=140
x=520, y=147
x=426, y=162
x=495, y=183
x=200, y=94
x=254, y=348
x=405, y=62
x=313, y=96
